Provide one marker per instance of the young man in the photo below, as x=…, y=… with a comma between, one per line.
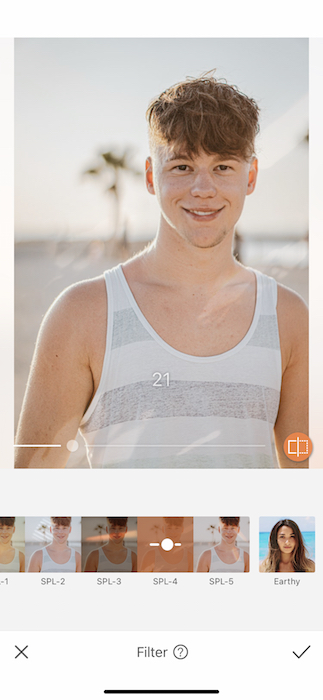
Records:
x=113, y=556
x=11, y=559
x=57, y=557
x=181, y=357
x=225, y=557
x=173, y=556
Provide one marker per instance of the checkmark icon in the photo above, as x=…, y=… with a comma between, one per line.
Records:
x=303, y=652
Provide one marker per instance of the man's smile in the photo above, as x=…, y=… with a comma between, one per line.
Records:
x=202, y=213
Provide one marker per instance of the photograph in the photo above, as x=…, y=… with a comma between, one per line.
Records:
x=53, y=544
x=12, y=545
x=286, y=545
x=109, y=544
x=221, y=544
x=165, y=544
x=161, y=227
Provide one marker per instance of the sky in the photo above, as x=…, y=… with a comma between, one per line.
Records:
x=75, y=98
x=306, y=524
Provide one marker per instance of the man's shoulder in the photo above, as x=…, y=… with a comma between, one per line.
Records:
x=77, y=313
x=84, y=296
x=288, y=301
x=206, y=555
x=292, y=313
x=37, y=556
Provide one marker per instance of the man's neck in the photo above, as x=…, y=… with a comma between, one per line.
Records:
x=114, y=546
x=58, y=547
x=172, y=259
x=5, y=547
x=225, y=547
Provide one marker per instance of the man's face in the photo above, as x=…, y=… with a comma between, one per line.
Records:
x=60, y=533
x=201, y=197
x=6, y=532
x=228, y=533
x=173, y=529
x=116, y=532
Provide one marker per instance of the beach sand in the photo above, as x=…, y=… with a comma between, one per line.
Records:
x=44, y=269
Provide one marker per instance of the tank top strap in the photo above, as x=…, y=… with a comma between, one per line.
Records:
x=266, y=293
x=117, y=298
x=102, y=559
x=46, y=557
x=71, y=562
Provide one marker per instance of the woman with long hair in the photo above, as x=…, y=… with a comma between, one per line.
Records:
x=287, y=552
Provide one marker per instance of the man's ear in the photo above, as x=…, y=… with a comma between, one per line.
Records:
x=149, y=176
x=252, y=178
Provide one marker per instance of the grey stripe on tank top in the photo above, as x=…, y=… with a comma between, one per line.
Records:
x=233, y=397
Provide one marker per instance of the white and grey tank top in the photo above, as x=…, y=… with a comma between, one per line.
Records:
x=218, y=565
x=14, y=564
x=106, y=565
x=156, y=407
x=50, y=566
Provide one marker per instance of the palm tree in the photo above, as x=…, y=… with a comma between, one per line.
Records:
x=101, y=530
x=112, y=163
x=213, y=530
x=43, y=529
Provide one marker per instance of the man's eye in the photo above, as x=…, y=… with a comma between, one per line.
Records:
x=182, y=167
x=224, y=167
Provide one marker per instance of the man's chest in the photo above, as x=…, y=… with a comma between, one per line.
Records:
x=202, y=326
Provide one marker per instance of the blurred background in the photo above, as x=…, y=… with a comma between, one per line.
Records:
x=80, y=146
x=305, y=524
x=206, y=535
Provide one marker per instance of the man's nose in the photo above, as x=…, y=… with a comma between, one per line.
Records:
x=204, y=185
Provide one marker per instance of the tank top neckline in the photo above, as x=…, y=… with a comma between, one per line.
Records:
x=225, y=562
x=12, y=560
x=112, y=562
x=56, y=562
x=184, y=356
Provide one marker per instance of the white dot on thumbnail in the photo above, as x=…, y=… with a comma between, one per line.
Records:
x=167, y=544
x=72, y=445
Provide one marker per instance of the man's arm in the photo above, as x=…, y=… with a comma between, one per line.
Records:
x=148, y=563
x=36, y=561
x=64, y=375
x=246, y=562
x=293, y=408
x=92, y=561
x=21, y=562
x=204, y=561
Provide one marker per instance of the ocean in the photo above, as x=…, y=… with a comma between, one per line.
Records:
x=308, y=537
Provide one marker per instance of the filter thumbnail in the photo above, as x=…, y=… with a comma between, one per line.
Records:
x=109, y=544
x=287, y=545
x=221, y=544
x=165, y=544
x=12, y=544
x=53, y=544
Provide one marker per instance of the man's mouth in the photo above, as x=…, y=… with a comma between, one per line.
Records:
x=207, y=214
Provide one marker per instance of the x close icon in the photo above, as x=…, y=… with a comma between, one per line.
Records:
x=21, y=652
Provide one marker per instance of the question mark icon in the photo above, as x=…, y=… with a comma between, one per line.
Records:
x=180, y=651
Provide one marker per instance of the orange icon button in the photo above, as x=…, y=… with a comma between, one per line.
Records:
x=298, y=447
